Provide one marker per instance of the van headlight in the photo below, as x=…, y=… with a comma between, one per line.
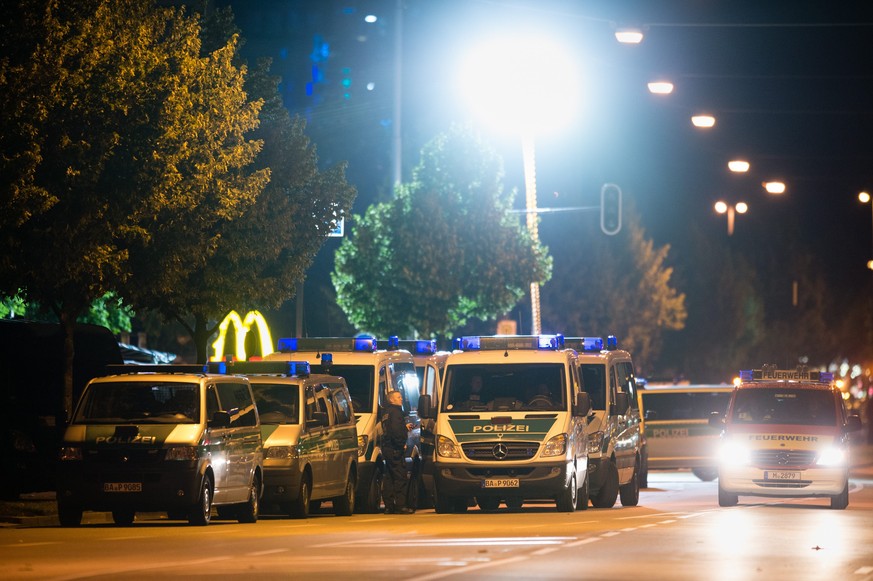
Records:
x=832, y=457
x=446, y=448
x=557, y=446
x=595, y=442
x=280, y=453
x=362, y=445
x=732, y=453
x=70, y=453
x=181, y=453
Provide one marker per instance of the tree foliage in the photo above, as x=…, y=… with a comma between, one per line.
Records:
x=442, y=251
x=615, y=285
x=122, y=149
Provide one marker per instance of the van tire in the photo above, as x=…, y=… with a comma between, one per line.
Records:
x=630, y=492
x=300, y=506
x=344, y=505
x=566, y=500
x=443, y=504
x=201, y=513
x=123, y=517
x=69, y=515
x=371, y=500
x=608, y=493
x=841, y=501
x=247, y=512
x=726, y=498
x=584, y=495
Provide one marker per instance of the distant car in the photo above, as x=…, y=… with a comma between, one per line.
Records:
x=676, y=426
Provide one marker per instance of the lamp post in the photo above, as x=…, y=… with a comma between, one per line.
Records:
x=731, y=210
x=864, y=198
x=526, y=84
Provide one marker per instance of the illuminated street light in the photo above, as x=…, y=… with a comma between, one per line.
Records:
x=526, y=84
x=864, y=198
x=629, y=35
x=703, y=121
x=660, y=87
x=731, y=211
x=774, y=187
x=738, y=166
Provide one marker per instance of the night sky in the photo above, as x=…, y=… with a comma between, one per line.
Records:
x=790, y=83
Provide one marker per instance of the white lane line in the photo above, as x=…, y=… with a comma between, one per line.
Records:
x=581, y=542
x=645, y=526
x=468, y=569
x=33, y=544
x=864, y=571
x=545, y=551
x=610, y=534
x=270, y=552
x=666, y=522
x=475, y=542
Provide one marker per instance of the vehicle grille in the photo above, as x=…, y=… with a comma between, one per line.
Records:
x=500, y=451
x=125, y=457
x=782, y=483
x=783, y=457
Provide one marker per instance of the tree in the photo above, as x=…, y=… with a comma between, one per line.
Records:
x=445, y=249
x=118, y=141
x=256, y=259
x=618, y=285
x=108, y=311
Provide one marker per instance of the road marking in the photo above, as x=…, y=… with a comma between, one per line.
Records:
x=270, y=552
x=33, y=544
x=468, y=569
x=864, y=571
x=581, y=542
x=476, y=542
x=668, y=521
x=610, y=534
x=545, y=551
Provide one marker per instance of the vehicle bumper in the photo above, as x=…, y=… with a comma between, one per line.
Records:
x=165, y=486
x=756, y=481
x=543, y=480
x=678, y=462
x=281, y=484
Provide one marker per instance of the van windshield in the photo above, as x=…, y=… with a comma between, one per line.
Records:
x=684, y=406
x=784, y=406
x=140, y=402
x=359, y=379
x=278, y=403
x=505, y=387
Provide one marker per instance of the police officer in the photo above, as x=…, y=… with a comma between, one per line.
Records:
x=395, y=432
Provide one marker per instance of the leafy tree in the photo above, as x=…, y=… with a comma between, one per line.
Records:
x=621, y=285
x=120, y=143
x=108, y=311
x=256, y=259
x=442, y=251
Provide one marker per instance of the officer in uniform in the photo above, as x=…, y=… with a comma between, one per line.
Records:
x=395, y=432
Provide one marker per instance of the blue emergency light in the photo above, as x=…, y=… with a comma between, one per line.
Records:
x=298, y=368
x=508, y=342
x=588, y=344
x=416, y=346
x=342, y=344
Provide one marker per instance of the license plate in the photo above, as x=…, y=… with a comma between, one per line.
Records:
x=122, y=487
x=500, y=483
x=776, y=475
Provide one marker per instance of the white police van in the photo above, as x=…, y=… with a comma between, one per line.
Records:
x=162, y=438
x=785, y=434
x=309, y=434
x=510, y=425
x=614, y=436
x=370, y=373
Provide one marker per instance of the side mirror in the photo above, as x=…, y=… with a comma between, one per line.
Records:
x=853, y=423
x=318, y=420
x=716, y=421
x=425, y=408
x=620, y=405
x=220, y=419
x=582, y=405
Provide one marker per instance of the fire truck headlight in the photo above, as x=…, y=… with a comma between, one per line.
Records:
x=832, y=457
x=734, y=454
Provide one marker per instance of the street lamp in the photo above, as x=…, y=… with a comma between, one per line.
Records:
x=526, y=84
x=731, y=211
x=864, y=198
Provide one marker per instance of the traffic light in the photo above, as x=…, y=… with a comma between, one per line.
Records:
x=610, y=209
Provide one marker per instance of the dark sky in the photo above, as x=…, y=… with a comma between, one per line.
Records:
x=791, y=84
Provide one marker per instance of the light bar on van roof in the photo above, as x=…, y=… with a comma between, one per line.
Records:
x=418, y=347
x=770, y=373
x=342, y=344
x=506, y=342
x=591, y=344
x=299, y=368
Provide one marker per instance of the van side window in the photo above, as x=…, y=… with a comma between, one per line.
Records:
x=211, y=402
x=236, y=399
x=383, y=386
x=429, y=382
x=626, y=381
x=342, y=405
x=613, y=384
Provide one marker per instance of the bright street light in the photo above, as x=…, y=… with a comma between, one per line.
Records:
x=528, y=84
x=731, y=210
x=703, y=121
x=774, y=187
x=738, y=166
x=660, y=87
x=629, y=35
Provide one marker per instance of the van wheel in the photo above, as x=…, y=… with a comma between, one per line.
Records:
x=443, y=504
x=644, y=470
x=488, y=503
x=123, y=517
x=201, y=513
x=841, y=501
x=726, y=498
x=373, y=497
x=584, y=495
x=608, y=493
x=345, y=505
x=566, y=501
x=705, y=474
x=630, y=492
x=69, y=515
x=247, y=512
x=300, y=507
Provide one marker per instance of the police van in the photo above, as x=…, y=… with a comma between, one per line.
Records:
x=785, y=434
x=370, y=373
x=163, y=438
x=509, y=425
x=308, y=429
x=614, y=437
